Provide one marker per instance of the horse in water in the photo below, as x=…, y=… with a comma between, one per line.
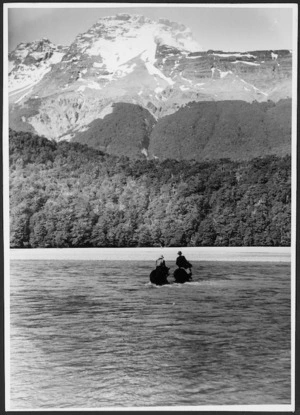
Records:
x=182, y=276
x=159, y=276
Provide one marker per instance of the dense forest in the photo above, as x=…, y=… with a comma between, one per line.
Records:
x=211, y=130
x=69, y=195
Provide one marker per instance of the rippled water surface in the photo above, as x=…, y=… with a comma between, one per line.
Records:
x=93, y=334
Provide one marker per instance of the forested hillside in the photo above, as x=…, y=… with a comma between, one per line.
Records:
x=69, y=195
x=126, y=131
x=205, y=130
x=212, y=130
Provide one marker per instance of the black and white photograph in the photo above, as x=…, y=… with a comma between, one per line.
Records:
x=149, y=159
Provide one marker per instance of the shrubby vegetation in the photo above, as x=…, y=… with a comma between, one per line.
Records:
x=69, y=195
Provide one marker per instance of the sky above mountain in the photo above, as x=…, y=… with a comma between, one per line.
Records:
x=222, y=28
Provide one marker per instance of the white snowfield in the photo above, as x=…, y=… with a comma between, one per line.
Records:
x=129, y=39
x=193, y=57
x=224, y=74
x=240, y=55
x=247, y=63
x=155, y=71
x=125, y=69
x=93, y=85
x=56, y=58
x=27, y=76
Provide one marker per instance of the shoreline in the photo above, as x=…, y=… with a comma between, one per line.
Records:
x=236, y=254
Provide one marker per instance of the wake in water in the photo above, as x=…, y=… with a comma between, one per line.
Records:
x=201, y=283
x=171, y=285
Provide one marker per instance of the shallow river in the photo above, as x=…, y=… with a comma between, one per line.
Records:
x=95, y=334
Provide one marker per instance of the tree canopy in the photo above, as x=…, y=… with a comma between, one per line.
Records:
x=69, y=195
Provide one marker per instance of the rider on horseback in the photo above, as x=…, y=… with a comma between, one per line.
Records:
x=159, y=275
x=161, y=266
x=160, y=262
x=182, y=262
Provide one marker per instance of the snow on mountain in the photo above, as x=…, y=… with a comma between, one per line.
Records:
x=239, y=55
x=118, y=39
x=156, y=65
x=114, y=41
x=247, y=63
x=29, y=63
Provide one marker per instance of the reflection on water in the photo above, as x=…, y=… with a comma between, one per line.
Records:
x=91, y=334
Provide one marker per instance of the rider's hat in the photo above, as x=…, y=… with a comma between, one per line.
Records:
x=179, y=253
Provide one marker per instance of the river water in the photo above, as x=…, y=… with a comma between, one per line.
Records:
x=97, y=334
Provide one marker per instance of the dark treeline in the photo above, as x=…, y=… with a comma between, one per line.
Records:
x=69, y=195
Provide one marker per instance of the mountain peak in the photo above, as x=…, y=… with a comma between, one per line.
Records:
x=134, y=25
x=127, y=17
x=30, y=61
x=36, y=44
x=132, y=59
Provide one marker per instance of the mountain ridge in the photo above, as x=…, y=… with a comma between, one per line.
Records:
x=59, y=92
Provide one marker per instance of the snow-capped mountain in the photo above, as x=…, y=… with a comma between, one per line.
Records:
x=104, y=53
x=29, y=62
x=59, y=91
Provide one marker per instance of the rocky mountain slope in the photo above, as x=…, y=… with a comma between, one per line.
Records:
x=29, y=63
x=152, y=68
